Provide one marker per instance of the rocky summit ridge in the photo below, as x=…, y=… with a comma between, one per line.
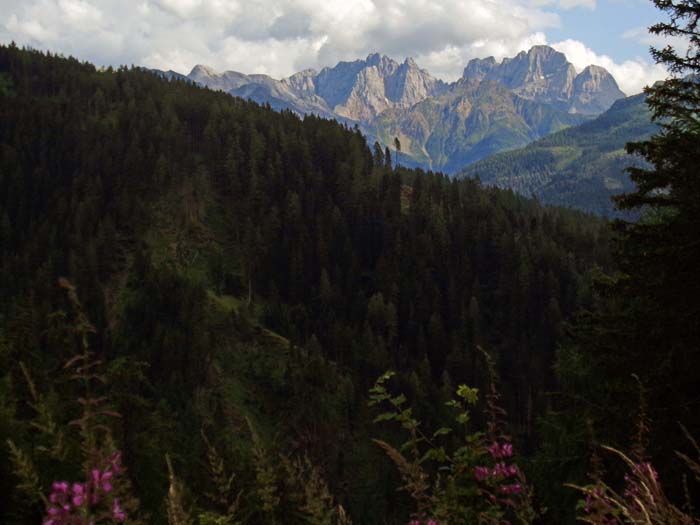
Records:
x=545, y=75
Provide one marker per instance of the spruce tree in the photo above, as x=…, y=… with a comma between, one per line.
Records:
x=660, y=254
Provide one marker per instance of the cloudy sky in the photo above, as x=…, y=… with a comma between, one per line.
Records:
x=279, y=37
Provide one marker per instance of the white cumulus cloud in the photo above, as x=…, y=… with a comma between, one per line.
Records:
x=631, y=75
x=280, y=37
x=277, y=37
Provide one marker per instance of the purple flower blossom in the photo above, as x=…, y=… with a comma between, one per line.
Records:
x=481, y=473
x=515, y=488
x=60, y=486
x=503, y=470
x=74, y=504
x=117, y=511
x=500, y=451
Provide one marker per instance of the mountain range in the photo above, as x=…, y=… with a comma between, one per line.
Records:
x=492, y=107
x=581, y=167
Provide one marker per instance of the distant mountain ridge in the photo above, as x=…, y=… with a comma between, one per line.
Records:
x=581, y=167
x=494, y=106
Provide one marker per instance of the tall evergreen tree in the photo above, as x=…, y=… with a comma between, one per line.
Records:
x=660, y=255
x=645, y=330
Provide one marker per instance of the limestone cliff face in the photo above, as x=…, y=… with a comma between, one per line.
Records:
x=363, y=89
x=478, y=68
x=545, y=75
x=302, y=83
x=541, y=74
x=366, y=98
x=409, y=85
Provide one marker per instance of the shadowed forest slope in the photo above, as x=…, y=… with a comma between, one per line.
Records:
x=247, y=268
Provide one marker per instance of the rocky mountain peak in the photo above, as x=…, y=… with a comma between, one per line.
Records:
x=373, y=59
x=537, y=66
x=385, y=65
x=543, y=74
x=226, y=81
x=202, y=70
x=362, y=89
x=478, y=68
x=546, y=53
x=595, y=90
x=594, y=72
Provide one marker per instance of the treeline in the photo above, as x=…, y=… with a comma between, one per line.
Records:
x=250, y=273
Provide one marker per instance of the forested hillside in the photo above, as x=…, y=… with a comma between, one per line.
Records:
x=249, y=275
x=582, y=166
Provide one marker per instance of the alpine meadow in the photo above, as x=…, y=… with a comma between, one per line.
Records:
x=332, y=291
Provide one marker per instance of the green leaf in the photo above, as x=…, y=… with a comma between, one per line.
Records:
x=463, y=418
x=387, y=416
x=470, y=395
x=441, y=431
x=375, y=399
x=385, y=377
x=408, y=445
x=399, y=400
x=435, y=454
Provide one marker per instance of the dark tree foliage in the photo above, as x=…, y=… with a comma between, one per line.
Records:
x=643, y=339
x=660, y=255
x=242, y=264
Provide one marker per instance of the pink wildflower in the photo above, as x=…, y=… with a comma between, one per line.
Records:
x=102, y=480
x=515, y=488
x=481, y=473
x=70, y=501
x=117, y=511
x=500, y=451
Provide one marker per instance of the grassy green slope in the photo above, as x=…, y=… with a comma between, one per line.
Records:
x=581, y=167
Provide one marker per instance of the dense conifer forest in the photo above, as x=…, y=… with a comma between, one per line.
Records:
x=199, y=295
